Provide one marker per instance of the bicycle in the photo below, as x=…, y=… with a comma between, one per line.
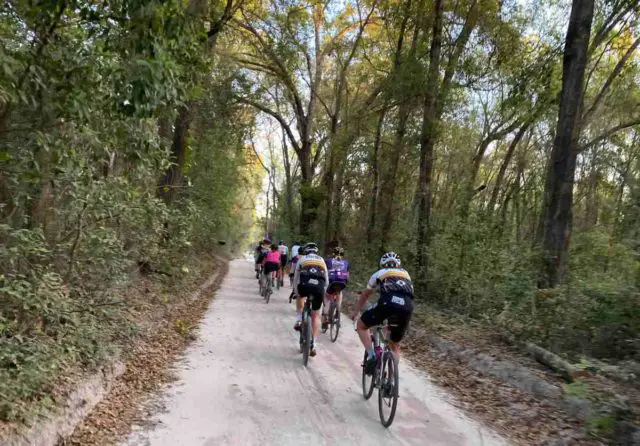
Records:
x=306, y=334
x=281, y=278
x=333, y=316
x=385, y=377
x=261, y=284
x=268, y=288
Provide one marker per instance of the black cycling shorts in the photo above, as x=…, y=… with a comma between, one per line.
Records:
x=396, y=309
x=270, y=267
x=336, y=287
x=283, y=260
x=313, y=292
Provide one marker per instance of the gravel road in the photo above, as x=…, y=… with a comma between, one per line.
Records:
x=243, y=383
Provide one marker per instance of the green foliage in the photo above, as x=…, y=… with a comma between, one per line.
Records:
x=577, y=389
x=82, y=93
x=602, y=425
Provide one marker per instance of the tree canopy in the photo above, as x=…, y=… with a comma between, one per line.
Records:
x=494, y=144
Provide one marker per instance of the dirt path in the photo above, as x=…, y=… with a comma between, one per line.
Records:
x=242, y=382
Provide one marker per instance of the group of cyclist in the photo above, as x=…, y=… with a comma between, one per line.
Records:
x=322, y=280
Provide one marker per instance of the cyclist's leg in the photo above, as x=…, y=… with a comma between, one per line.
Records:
x=326, y=301
x=364, y=335
x=339, y=302
x=316, y=295
x=371, y=317
x=400, y=316
x=300, y=299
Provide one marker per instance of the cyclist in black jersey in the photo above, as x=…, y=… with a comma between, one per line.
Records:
x=395, y=305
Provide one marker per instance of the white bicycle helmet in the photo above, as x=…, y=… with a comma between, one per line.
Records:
x=390, y=260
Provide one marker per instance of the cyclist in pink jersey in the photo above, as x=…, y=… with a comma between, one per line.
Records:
x=272, y=261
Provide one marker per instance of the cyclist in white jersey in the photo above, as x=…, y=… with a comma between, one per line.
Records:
x=284, y=258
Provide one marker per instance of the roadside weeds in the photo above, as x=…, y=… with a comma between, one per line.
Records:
x=149, y=366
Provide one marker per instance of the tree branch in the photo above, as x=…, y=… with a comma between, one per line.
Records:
x=614, y=74
x=278, y=118
x=608, y=133
x=458, y=48
x=282, y=70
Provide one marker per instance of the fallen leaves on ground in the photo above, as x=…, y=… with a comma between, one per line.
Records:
x=149, y=366
x=513, y=413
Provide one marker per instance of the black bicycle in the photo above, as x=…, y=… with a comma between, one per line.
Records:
x=268, y=289
x=385, y=377
x=261, y=285
x=306, y=333
x=333, y=319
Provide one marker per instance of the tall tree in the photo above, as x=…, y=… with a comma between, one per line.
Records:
x=558, y=195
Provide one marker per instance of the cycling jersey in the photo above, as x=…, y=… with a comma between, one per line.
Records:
x=273, y=257
x=392, y=281
x=284, y=249
x=262, y=255
x=311, y=269
x=395, y=303
x=294, y=250
x=338, y=270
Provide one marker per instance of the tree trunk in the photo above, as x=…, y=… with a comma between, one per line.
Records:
x=173, y=177
x=337, y=200
x=288, y=185
x=371, y=227
x=561, y=172
x=329, y=175
x=427, y=143
x=387, y=192
x=505, y=164
x=591, y=204
x=308, y=195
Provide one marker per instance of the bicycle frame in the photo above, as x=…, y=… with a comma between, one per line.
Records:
x=306, y=328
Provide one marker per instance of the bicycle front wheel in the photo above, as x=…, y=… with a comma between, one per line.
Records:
x=388, y=390
x=334, y=321
x=367, y=381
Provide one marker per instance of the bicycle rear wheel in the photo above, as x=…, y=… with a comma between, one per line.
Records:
x=367, y=381
x=269, y=291
x=388, y=389
x=306, y=344
x=334, y=322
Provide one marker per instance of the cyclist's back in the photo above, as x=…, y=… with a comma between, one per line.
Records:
x=395, y=301
x=395, y=305
x=338, y=273
x=294, y=249
x=310, y=281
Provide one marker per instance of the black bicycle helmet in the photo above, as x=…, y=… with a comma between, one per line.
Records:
x=338, y=251
x=311, y=248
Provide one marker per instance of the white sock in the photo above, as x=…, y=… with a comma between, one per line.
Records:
x=298, y=317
